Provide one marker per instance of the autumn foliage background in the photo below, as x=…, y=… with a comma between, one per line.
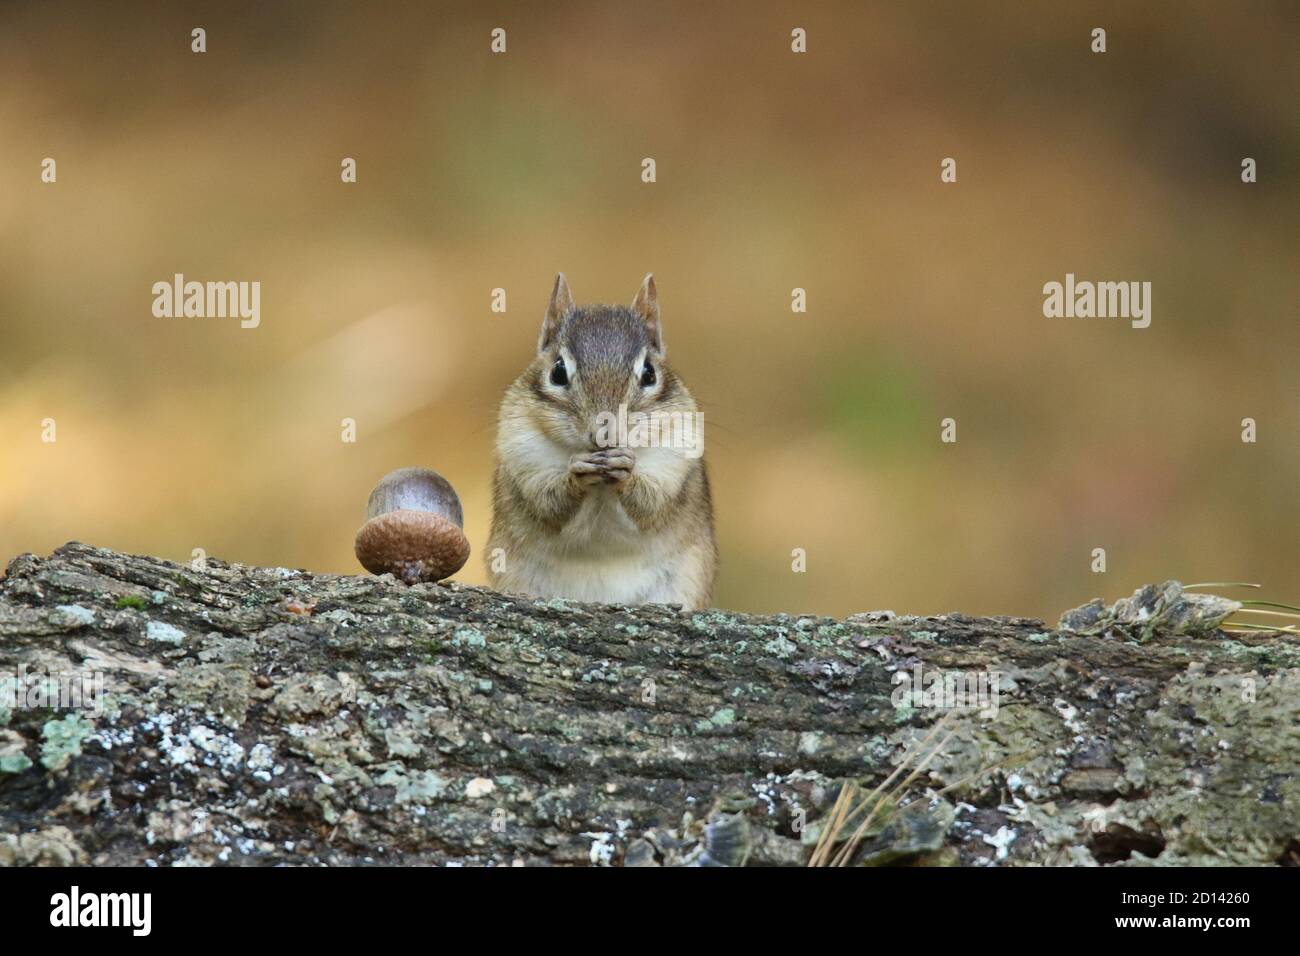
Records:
x=775, y=170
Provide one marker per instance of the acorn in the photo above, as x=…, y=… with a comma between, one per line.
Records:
x=413, y=527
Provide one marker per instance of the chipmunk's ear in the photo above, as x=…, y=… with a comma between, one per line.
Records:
x=561, y=302
x=646, y=308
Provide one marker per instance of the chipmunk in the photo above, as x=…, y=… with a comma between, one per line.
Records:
x=586, y=511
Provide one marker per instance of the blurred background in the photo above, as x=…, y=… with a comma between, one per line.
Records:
x=477, y=171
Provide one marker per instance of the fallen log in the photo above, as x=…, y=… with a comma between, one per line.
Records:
x=270, y=716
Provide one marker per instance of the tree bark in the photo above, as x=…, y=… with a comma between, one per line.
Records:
x=268, y=716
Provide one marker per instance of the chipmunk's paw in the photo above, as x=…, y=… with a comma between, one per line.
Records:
x=588, y=469
x=619, y=463
x=605, y=466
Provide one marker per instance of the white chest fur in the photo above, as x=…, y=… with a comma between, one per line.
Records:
x=601, y=555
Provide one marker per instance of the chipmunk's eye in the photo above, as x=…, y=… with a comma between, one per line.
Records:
x=559, y=374
x=647, y=375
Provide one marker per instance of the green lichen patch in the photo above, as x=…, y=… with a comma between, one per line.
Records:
x=164, y=633
x=14, y=763
x=72, y=616
x=468, y=637
x=722, y=717
x=63, y=740
x=781, y=646
x=12, y=757
x=423, y=787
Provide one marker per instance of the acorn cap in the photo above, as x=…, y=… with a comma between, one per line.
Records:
x=413, y=528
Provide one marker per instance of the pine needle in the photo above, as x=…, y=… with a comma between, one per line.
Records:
x=1251, y=610
x=846, y=854
x=840, y=819
x=851, y=847
x=1289, y=607
x=835, y=824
